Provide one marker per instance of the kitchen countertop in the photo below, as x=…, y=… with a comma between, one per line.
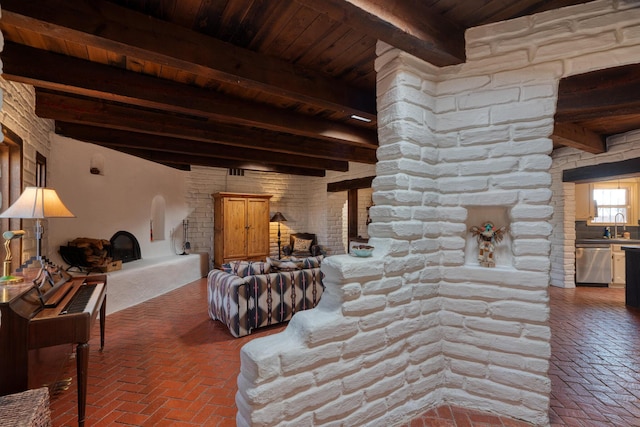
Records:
x=610, y=241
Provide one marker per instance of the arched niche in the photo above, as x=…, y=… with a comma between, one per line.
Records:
x=158, y=208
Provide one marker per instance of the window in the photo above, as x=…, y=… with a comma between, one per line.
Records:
x=41, y=170
x=613, y=202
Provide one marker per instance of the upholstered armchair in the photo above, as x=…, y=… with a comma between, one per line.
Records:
x=303, y=245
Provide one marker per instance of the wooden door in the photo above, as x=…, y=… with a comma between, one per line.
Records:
x=258, y=227
x=235, y=228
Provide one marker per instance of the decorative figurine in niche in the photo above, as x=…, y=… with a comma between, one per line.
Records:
x=488, y=236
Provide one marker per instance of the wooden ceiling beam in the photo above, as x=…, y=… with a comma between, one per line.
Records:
x=100, y=113
x=48, y=70
x=105, y=25
x=413, y=27
x=575, y=136
x=597, y=94
x=113, y=138
x=183, y=160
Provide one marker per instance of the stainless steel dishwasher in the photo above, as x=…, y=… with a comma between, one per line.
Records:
x=593, y=263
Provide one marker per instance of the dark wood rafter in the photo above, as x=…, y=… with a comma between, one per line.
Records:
x=603, y=171
x=572, y=135
x=184, y=160
x=595, y=105
x=123, y=140
x=101, y=24
x=47, y=70
x=409, y=26
x=350, y=184
x=603, y=93
x=65, y=108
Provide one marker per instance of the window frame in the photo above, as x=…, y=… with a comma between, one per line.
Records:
x=631, y=188
x=11, y=167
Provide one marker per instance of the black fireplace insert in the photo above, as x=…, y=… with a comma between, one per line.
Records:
x=125, y=247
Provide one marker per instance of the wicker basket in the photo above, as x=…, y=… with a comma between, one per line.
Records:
x=26, y=409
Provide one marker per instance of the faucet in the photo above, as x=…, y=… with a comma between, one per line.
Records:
x=615, y=223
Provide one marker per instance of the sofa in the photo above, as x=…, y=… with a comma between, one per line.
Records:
x=248, y=295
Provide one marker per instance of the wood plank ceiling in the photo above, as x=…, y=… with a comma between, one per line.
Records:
x=255, y=84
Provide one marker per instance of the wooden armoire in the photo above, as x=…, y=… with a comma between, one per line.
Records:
x=240, y=227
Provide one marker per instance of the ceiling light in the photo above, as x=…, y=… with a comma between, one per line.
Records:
x=362, y=119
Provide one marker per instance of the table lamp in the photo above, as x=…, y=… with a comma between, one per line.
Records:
x=278, y=217
x=38, y=203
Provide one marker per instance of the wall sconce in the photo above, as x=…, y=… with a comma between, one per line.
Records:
x=96, y=166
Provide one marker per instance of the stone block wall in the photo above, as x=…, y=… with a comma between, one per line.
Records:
x=421, y=324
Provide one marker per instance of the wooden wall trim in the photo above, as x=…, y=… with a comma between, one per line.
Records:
x=603, y=171
x=350, y=184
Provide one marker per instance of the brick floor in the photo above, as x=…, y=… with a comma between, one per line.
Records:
x=166, y=363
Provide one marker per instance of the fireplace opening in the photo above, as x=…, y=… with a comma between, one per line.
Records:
x=125, y=247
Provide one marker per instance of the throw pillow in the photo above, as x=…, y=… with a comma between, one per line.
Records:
x=310, y=262
x=249, y=268
x=301, y=244
x=285, y=265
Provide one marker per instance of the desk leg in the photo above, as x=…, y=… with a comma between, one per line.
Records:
x=82, y=359
x=103, y=317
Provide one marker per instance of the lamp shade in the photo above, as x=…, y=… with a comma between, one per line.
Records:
x=278, y=217
x=38, y=202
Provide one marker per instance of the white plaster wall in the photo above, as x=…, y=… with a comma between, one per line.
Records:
x=120, y=198
x=416, y=325
x=619, y=147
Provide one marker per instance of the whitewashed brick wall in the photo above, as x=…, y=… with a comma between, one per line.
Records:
x=619, y=147
x=302, y=200
x=18, y=114
x=420, y=324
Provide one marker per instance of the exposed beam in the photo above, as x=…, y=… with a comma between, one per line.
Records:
x=105, y=25
x=602, y=171
x=103, y=114
x=575, y=136
x=350, y=184
x=413, y=27
x=603, y=93
x=118, y=139
x=178, y=160
x=48, y=70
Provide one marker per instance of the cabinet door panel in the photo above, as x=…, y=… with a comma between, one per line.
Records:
x=258, y=231
x=619, y=268
x=235, y=233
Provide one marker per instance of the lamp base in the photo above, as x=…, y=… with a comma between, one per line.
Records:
x=10, y=280
x=36, y=261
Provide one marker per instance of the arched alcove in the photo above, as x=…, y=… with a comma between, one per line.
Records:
x=158, y=208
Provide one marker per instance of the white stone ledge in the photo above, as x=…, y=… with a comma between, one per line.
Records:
x=141, y=280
